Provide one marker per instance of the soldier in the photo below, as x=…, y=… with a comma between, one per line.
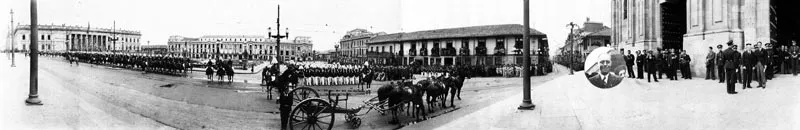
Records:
x=768, y=61
x=731, y=58
x=721, y=64
x=640, y=58
x=629, y=59
x=710, y=64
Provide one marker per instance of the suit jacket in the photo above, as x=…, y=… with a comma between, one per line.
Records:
x=629, y=59
x=613, y=80
x=651, y=62
x=749, y=59
x=759, y=55
x=720, y=58
x=640, y=59
x=710, y=58
x=731, y=59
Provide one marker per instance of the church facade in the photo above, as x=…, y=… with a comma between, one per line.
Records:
x=694, y=25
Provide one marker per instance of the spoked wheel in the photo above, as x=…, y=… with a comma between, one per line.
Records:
x=312, y=114
x=302, y=93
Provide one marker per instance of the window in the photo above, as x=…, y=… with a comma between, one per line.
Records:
x=48, y=37
x=42, y=37
x=23, y=37
x=625, y=9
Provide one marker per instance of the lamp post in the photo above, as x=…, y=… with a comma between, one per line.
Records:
x=33, y=96
x=527, y=104
x=572, y=59
x=13, y=32
x=278, y=36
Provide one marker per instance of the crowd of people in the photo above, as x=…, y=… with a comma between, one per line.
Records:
x=657, y=63
x=727, y=63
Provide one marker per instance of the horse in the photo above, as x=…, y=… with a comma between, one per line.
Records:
x=454, y=84
x=398, y=95
x=434, y=90
x=366, y=79
x=210, y=73
x=230, y=72
x=220, y=73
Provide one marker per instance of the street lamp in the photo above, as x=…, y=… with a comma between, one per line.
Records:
x=572, y=59
x=527, y=104
x=33, y=96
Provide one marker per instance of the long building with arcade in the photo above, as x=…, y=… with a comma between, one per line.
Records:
x=240, y=47
x=76, y=38
x=488, y=45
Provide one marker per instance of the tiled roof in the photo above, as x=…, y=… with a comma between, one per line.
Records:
x=461, y=32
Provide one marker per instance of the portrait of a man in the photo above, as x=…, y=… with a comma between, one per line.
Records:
x=605, y=79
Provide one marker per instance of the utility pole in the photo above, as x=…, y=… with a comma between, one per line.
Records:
x=527, y=104
x=13, y=32
x=33, y=96
x=571, y=36
x=278, y=36
x=114, y=37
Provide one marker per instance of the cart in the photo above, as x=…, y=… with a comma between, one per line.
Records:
x=314, y=113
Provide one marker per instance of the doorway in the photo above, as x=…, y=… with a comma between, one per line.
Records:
x=784, y=23
x=673, y=23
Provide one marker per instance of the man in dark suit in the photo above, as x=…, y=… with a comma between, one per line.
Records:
x=605, y=79
x=731, y=59
x=720, y=64
x=629, y=59
x=710, y=58
x=685, y=60
x=759, y=65
x=794, y=51
x=640, y=58
x=650, y=65
x=768, y=61
x=748, y=62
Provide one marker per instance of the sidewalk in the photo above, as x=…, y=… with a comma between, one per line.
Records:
x=570, y=102
x=62, y=109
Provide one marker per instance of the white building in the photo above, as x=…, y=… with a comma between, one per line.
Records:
x=240, y=47
x=76, y=38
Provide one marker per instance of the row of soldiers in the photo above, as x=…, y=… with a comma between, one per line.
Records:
x=658, y=63
x=324, y=74
x=146, y=62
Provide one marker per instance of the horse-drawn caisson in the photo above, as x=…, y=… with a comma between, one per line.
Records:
x=309, y=111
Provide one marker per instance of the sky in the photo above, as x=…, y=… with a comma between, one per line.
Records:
x=325, y=21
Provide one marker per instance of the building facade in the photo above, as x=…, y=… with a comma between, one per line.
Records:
x=352, y=48
x=240, y=47
x=694, y=25
x=590, y=36
x=76, y=38
x=475, y=45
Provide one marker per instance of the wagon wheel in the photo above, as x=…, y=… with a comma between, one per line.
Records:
x=302, y=93
x=312, y=114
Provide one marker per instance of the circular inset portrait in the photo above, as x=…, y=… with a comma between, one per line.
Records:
x=604, y=67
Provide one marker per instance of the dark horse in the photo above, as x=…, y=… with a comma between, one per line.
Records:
x=398, y=95
x=366, y=80
x=435, y=91
x=282, y=80
x=454, y=83
x=210, y=73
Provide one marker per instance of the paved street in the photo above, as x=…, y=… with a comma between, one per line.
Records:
x=121, y=98
x=570, y=102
